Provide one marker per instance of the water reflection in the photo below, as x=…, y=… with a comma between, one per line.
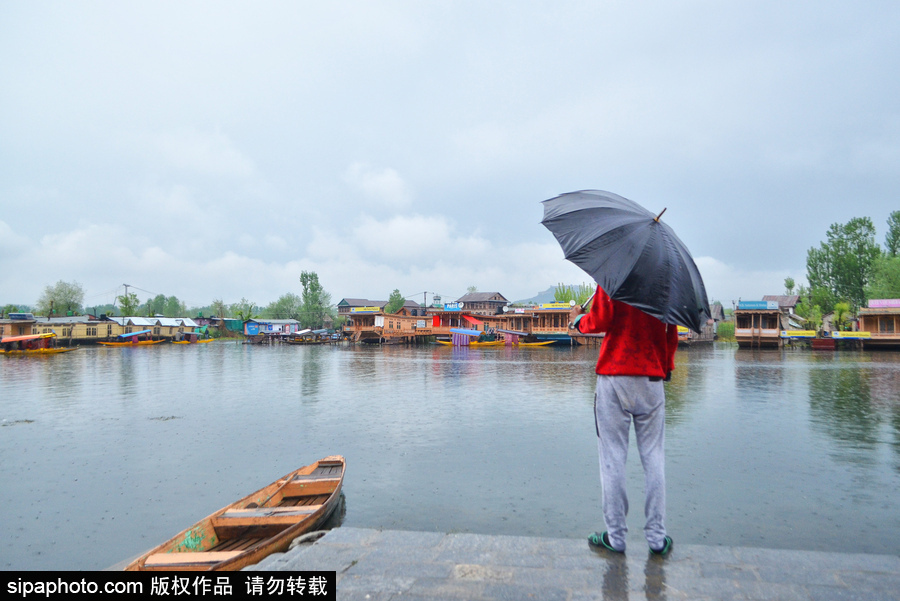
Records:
x=655, y=578
x=759, y=370
x=840, y=404
x=688, y=378
x=311, y=368
x=615, y=578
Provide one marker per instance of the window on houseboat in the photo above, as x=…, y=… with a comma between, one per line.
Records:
x=886, y=325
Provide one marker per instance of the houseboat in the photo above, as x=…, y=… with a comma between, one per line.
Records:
x=881, y=319
x=758, y=324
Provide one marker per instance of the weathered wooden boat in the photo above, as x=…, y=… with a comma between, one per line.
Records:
x=32, y=344
x=131, y=339
x=261, y=523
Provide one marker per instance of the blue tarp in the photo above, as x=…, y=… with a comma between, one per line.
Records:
x=134, y=334
x=466, y=332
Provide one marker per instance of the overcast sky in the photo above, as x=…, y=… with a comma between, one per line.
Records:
x=216, y=150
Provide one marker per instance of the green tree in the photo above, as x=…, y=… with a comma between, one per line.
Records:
x=789, y=285
x=885, y=282
x=218, y=308
x=892, y=238
x=580, y=293
x=286, y=307
x=243, y=309
x=61, y=298
x=8, y=309
x=174, y=307
x=98, y=310
x=316, y=304
x=471, y=289
x=128, y=304
x=814, y=318
x=156, y=305
x=395, y=302
x=843, y=263
x=841, y=316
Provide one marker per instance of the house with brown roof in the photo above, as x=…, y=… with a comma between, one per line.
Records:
x=483, y=303
x=786, y=303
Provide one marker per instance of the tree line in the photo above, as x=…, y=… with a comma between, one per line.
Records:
x=847, y=269
x=312, y=307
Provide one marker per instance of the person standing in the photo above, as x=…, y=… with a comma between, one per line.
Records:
x=636, y=356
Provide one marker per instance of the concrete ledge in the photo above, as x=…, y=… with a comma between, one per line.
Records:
x=392, y=564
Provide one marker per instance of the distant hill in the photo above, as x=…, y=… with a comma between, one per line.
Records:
x=547, y=296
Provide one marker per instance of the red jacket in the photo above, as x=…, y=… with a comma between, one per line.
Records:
x=636, y=344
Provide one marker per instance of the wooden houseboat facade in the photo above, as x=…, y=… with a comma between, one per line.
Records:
x=757, y=324
x=881, y=319
x=87, y=329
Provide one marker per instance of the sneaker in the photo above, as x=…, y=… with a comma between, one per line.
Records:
x=667, y=546
x=601, y=541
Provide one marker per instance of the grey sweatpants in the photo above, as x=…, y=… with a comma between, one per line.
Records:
x=618, y=401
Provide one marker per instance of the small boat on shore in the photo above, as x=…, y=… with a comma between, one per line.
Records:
x=131, y=339
x=32, y=344
x=262, y=523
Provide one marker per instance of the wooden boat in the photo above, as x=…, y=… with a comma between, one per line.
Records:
x=192, y=338
x=473, y=343
x=261, y=523
x=131, y=339
x=32, y=344
x=498, y=343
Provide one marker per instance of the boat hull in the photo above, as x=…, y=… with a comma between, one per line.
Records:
x=262, y=523
x=42, y=351
x=140, y=343
x=473, y=343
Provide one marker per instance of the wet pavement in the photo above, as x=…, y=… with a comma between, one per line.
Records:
x=377, y=565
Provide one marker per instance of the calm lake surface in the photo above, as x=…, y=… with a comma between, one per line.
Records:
x=106, y=452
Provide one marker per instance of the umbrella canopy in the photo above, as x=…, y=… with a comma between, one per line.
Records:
x=630, y=253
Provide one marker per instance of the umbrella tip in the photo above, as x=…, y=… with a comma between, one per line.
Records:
x=660, y=215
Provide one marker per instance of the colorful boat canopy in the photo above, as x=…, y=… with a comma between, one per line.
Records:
x=516, y=333
x=466, y=332
x=27, y=337
x=129, y=335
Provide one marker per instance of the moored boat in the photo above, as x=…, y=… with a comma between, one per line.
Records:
x=132, y=339
x=473, y=343
x=33, y=344
x=261, y=523
x=192, y=338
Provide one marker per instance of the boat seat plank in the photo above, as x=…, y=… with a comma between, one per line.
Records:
x=303, y=501
x=263, y=516
x=189, y=558
x=314, y=478
x=265, y=512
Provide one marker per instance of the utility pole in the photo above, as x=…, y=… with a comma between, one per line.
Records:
x=124, y=298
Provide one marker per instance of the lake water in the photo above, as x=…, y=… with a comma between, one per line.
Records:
x=106, y=452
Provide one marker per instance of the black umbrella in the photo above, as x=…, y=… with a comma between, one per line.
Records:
x=630, y=253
